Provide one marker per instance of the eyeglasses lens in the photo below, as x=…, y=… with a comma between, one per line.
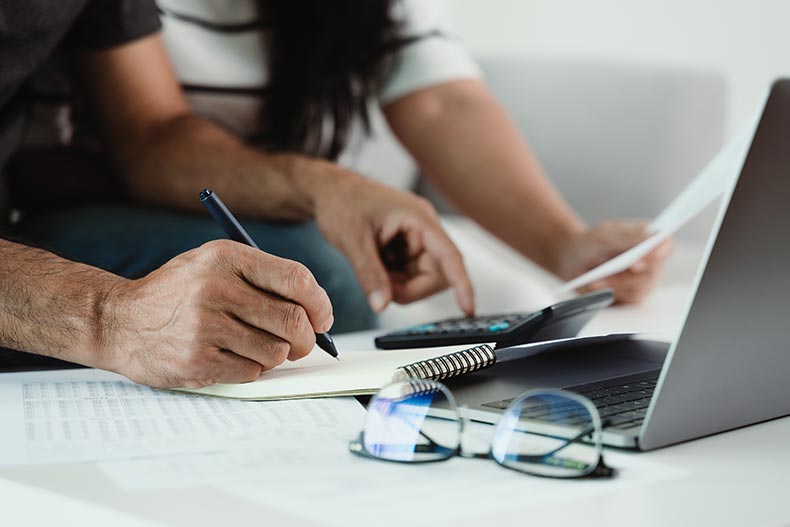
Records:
x=548, y=434
x=412, y=421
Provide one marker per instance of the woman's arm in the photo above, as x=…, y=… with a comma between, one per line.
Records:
x=467, y=145
x=167, y=155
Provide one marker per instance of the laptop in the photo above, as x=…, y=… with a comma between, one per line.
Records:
x=730, y=364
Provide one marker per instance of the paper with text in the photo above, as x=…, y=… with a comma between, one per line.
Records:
x=88, y=415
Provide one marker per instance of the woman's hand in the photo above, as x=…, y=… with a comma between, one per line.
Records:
x=598, y=244
x=393, y=240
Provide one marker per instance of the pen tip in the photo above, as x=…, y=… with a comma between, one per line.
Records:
x=326, y=343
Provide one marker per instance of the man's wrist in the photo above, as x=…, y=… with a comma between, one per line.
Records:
x=105, y=307
x=52, y=306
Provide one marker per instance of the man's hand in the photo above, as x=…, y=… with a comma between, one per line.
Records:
x=362, y=218
x=221, y=313
x=605, y=241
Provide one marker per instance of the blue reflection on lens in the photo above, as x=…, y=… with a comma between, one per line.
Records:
x=544, y=408
x=393, y=427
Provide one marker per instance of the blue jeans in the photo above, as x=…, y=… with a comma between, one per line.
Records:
x=133, y=241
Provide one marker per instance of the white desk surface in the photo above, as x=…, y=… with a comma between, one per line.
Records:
x=736, y=478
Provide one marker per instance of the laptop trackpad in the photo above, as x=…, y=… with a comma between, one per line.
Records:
x=588, y=363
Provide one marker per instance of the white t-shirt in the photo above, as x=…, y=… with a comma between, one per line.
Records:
x=223, y=66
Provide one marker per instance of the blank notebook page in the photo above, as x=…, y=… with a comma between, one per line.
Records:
x=319, y=375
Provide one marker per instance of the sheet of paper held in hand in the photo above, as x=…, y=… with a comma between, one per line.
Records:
x=89, y=415
x=718, y=176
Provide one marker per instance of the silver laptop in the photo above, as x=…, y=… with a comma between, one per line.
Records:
x=729, y=366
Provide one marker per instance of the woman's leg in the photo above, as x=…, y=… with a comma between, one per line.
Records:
x=133, y=241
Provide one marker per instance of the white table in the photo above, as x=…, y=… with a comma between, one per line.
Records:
x=736, y=478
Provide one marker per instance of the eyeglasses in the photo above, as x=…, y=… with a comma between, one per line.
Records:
x=550, y=433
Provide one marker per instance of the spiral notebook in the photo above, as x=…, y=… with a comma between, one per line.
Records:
x=365, y=372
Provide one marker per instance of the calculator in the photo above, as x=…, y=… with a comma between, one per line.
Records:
x=561, y=320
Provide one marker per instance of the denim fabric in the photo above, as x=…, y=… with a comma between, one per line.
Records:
x=133, y=241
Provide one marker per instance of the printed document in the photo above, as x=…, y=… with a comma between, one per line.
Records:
x=89, y=415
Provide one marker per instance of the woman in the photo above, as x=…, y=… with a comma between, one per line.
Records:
x=298, y=76
x=293, y=80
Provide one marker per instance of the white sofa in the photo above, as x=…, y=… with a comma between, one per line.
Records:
x=619, y=141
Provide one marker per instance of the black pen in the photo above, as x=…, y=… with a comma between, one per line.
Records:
x=236, y=232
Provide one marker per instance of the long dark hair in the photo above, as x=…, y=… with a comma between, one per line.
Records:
x=327, y=59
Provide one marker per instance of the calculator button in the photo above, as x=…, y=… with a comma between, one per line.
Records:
x=419, y=330
x=498, y=327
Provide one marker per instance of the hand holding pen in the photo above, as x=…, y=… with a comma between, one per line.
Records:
x=236, y=232
x=220, y=313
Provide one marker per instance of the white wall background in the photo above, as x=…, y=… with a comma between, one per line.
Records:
x=748, y=41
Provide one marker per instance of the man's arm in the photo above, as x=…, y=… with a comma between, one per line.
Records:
x=221, y=313
x=168, y=154
x=51, y=306
x=468, y=146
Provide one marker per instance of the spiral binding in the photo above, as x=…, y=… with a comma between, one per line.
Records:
x=450, y=365
x=411, y=388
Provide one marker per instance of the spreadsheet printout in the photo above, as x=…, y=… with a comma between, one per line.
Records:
x=87, y=415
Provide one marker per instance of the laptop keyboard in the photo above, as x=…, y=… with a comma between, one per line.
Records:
x=622, y=402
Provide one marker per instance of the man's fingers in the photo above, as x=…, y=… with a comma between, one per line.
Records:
x=439, y=245
x=212, y=365
x=276, y=316
x=364, y=258
x=226, y=367
x=286, y=278
x=257, y=345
